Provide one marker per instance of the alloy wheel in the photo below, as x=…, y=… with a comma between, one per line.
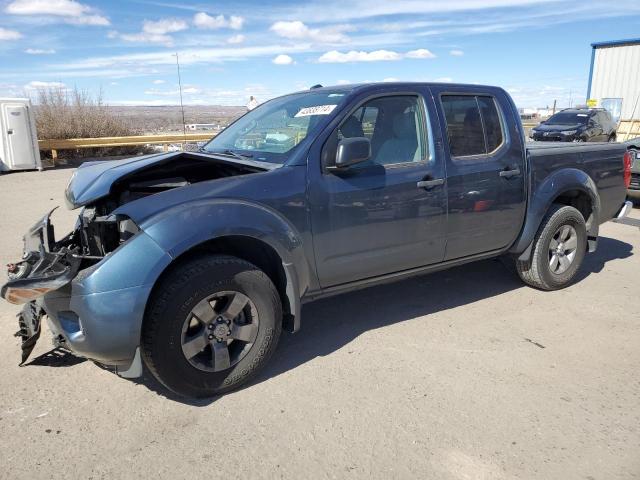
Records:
x=219, y=331
x=562, y=249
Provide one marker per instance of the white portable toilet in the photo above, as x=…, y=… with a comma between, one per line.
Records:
x=18, y=138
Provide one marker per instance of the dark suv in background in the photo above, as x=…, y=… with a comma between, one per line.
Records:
x=577, y=125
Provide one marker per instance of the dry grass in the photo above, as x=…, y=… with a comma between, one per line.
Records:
x=62, y=113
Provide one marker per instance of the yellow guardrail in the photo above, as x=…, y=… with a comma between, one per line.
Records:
x=76, y=143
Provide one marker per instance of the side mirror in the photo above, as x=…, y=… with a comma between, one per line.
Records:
x=352, y=151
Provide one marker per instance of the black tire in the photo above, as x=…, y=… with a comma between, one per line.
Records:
x=537, y=271
x=174, y=300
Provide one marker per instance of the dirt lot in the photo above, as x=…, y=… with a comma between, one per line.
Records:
x=464, y=374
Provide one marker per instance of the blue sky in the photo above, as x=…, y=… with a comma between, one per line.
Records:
x=538, y=49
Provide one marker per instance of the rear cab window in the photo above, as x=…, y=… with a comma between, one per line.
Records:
x=475, y=125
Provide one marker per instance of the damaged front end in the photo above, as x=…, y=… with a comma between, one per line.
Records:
x=93, y=291
x=48, y=265
x=45, y=266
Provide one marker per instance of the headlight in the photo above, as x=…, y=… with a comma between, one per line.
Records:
x=533, y=132
x=569, y=132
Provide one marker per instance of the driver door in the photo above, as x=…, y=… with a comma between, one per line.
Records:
x=387, y=214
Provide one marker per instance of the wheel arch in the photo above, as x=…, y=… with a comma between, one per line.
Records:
x=570, y=187
x=257, y=252
x=253, y=232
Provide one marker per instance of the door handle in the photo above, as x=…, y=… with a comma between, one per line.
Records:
x=431, y=183
x=10, y=131
x=509, y=172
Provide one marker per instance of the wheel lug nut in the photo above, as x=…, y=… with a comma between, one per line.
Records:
x=210, y=337
x=210, y=326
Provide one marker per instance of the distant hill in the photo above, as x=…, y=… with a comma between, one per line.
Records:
x=166, y=119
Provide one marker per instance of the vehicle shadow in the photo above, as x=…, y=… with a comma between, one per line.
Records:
x=56, y=357
x=330, y=324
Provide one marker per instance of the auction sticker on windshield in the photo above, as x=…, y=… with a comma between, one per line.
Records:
x=317, y=110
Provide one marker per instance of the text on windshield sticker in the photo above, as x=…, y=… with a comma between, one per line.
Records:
x=318, y=110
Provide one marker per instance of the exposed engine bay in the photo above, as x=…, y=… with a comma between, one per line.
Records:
x=98, y=231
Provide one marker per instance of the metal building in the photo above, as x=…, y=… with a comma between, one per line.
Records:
x=614, y=82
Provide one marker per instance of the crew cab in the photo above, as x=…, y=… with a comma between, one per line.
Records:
x=194, y=262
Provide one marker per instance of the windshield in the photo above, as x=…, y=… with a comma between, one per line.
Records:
x=270, y=132
x=567, y=118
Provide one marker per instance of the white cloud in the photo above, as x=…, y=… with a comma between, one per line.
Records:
x=283, y=60
x=391, y=79
x=164, y=26
x=456, y=53
x=154, y=31
x=6, y=34
x=158, y=82
x=70, y=11
x=234, y=40
x=296, y=30
x=38, y=85
x=171, y=93
x=334, y=56
x=205, y=21
x=444, y=80
x=39, y=51
x=420, y=53
x=143, y=37
x=193, y=56
x=93, y=20
x=329, y=10
x=343, y=82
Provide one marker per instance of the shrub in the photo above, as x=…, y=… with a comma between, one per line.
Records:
x=62, y=113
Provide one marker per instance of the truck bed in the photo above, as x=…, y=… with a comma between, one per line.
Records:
x=603, y=162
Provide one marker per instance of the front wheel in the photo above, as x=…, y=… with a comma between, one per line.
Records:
x=558, y=250
x=212, y=323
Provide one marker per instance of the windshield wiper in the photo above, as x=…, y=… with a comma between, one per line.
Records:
x=231, y=153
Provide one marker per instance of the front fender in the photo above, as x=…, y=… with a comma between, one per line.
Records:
x=546, y=193
x=184, y=226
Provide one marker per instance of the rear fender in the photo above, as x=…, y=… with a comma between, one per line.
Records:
x=543, y=198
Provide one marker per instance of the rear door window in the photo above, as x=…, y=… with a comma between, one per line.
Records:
x=474, y=125
x=491, y=122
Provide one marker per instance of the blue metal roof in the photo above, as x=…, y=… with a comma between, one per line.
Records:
x=613, y=43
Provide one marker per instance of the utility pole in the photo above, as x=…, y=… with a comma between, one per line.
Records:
x=184, y=127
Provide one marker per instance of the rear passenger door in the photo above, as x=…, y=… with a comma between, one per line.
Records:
x=485, y=171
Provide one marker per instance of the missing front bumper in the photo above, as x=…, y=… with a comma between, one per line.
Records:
x=45, y=266
x=45, y=272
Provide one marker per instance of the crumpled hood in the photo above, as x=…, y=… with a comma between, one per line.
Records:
x=93, y=180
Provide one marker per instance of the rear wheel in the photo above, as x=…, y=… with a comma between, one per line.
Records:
x=558, y=250
x=211, y=325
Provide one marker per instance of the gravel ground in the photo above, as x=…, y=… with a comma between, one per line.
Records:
x=463, y=374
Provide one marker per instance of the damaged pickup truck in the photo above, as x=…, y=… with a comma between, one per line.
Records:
x=194, y=263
